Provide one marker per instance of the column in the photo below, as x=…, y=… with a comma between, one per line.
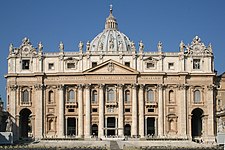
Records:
x=141, y=110
x=61, y=112
x=80, y=111
x=183, y=112
x=88, y=111
x=12, y=111
x=39, y=111
x=160, y=115
x=134, y=111
x=121, y=109
x=210, y=99
x=101, y=111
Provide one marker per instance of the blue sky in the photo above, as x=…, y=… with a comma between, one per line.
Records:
x=71, y=21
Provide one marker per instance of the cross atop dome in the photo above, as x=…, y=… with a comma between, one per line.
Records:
x=111, y=22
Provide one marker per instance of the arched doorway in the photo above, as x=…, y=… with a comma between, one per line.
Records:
x=127, y=129
x=196, y=123
x=94, y=130
x=25, y=123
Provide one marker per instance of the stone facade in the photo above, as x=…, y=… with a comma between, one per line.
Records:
x=110, y=88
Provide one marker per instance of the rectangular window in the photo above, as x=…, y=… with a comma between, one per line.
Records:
x=51, y=66
x=196, y=64
x=150, y=65
x=70, y=65
x=25, y=64
x=151, y=110
x=170, y=66
x=94, y=64
x=70, y=110
x=127, y=64
x=127, y=109
x=94, y=110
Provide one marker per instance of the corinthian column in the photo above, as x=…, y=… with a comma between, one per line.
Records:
x=160, y=115
x=120, y=115
x=80, y=111
x=61, y=112
x=101, y=111
x=141, y=110
x=88, y=111
x=39, y=111
x=210, y=123
x=134, y=111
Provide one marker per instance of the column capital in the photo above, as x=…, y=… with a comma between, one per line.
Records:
x=39, y=86
x=101, y=86
x=87, y=86
x=182, y=86
x=160, y=86
x=60, y=87
x=120, y=86
x=134, y=86
x=13, y=87
x=80, y=86
x=142, y=86
x=210, y=87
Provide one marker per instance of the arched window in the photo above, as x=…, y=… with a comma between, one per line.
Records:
x=127, y=96
x=150, y=96
x=94, y=96
x=197, y=96
x=51, y=125
x=171, y=96
x=71, y=96
x=25, y=97
x=110, y=95
x=50, y=97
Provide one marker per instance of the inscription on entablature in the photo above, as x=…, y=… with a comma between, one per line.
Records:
x=150, y=78
x=172, y=78
x=110, y=77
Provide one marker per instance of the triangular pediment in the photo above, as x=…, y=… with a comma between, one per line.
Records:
x=111, y=67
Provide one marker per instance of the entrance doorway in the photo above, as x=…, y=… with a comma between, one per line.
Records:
x=25, y=123
x=71, y=126
x=150, y=126
x=94, y=130
x=196, y=123
x=127, y=129
x=111, y=123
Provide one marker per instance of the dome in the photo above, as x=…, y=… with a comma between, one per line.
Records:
x=111, y=39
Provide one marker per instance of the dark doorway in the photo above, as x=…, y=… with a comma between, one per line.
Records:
x=25, y=123
x=127, y=129
x=71, y=126
x=94, y=130
x=111, y=123
x=196, y=122
x=150, y=126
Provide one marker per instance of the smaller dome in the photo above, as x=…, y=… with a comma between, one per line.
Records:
x=111, y=39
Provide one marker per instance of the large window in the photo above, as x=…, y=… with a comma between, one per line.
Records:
x=127, y=96
x=50, y=97
x=94, y=96
x=25, y=64
x=25, y=97
x=110, y=95
x=197, y=96
x=150, y=96
x=171, y=96
x=71, y=96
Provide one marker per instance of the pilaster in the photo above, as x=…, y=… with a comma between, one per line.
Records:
x=141, y=110
x=101, y=111
x=134, y=111
x=88, y=111
x=61, y=119
x=121, y=109
x=80, y=111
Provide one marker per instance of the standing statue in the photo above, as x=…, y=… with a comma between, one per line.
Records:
x=11, y=48
x=160, y=46
x=88, y=46
x=182, y=46
x=26, y=41
x=8, y=125
x=81, y=45
x=141, y=46
x=40, y=47
x=120, y=46
x=132, y=46
x=61, y=46
x=220, y=125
